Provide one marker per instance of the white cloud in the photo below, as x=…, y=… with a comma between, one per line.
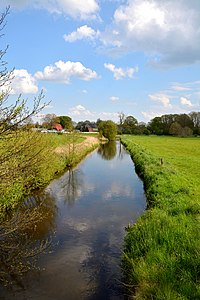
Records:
x=167, y=31
x=120, y=73
x=23, y=83
x=62, y=72
x=186, y=102
x=106, y=115
x=161, y=98
x=180, y=88
x=78, y=9
x=83, y=32
x=117, y=190
x=150, y=114
x=114, y=98
x=80, y=112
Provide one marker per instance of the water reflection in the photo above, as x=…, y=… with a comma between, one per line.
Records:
x=68, y=189
x=94, y=203
x=108, y=150
x=44, y=223
x=73, y=186
x=24, y=235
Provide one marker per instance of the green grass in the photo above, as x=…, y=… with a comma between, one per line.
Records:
x=30, y=161
x=62, y=139
x=161, y=252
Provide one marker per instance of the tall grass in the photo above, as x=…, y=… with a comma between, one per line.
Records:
x=30, y=160
x=161, y=251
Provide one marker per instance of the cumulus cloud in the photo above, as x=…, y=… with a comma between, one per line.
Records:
x=80, y=9
x=23, y=83
x=161, y=99
x=120, y=73
x=83, y=32
x=79, y=111
x=63, y=71
x=186, y=102
x=167, y=31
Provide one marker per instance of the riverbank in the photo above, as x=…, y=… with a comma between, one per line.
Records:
x=33, y=159
x=161, y=251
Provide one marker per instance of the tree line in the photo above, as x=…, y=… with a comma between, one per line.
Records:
x=169, y=124
x=176, y=124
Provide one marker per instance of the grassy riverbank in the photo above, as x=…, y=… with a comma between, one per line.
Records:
x=161, y=255
x=31, y=160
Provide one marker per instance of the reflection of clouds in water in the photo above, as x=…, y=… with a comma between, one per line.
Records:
x=76, y=225
x=113, y=165
x=116, y=190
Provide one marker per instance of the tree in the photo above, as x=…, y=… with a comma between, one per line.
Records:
x=163, y=124
x=66, y=122
x=175, y=129
x=129, y=125
x=85, y=125
x=19, y=152
x=121, y=116
x=11, y=116
x=195, y=117
x=49, y=120
x=186, y=131
x=108, y=129
x=155, y=126
x=185, y=121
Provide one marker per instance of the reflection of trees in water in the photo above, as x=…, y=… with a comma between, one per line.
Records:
x=73, y=186
x=24, y=235
x=121, y=151
x=108, y=150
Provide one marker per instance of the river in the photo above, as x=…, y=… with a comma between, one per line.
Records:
x=90, y=207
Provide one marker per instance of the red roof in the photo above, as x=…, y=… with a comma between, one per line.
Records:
x=57, y=126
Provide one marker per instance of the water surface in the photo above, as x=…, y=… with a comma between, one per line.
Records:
x=90, y=207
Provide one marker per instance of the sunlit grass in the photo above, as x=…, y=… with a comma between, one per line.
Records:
x=162, y=249
x=30, y=160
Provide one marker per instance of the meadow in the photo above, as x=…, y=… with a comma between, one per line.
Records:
x=161, y=251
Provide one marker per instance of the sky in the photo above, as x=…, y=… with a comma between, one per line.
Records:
x=98, y=58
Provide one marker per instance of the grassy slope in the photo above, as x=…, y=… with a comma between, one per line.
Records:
x=45, y=162
x=161, y=259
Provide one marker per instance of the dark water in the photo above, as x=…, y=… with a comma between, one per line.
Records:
x=89, y=209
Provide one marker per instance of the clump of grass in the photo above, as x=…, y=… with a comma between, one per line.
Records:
x=161, y=251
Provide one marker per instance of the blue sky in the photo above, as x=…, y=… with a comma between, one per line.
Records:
x=95, y=59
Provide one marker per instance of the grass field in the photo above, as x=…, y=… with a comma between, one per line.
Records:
x=161, y=253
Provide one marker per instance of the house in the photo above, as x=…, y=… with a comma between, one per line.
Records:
x=57, y=126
